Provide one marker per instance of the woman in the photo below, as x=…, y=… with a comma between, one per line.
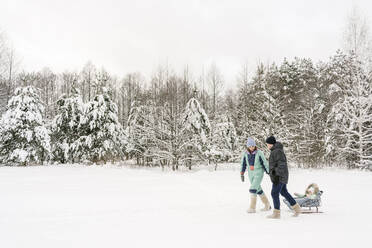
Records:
x=255, y=160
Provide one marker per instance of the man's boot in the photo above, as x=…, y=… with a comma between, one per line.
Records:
x=297, y=210
x=275, y=214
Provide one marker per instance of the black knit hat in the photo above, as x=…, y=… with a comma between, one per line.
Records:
x=271, y=140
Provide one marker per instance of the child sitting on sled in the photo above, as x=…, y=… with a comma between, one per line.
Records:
x=310, y=191
x=310, y=199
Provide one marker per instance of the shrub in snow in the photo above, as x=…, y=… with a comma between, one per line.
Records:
x=24, y=139
x=102, y=136
x=67, y=126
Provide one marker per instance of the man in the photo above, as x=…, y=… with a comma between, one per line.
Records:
x=279, y=177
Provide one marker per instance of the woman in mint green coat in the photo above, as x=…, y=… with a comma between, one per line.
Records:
x=257, y=165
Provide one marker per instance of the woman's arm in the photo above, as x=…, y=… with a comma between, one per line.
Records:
x=243, y=165
x=264, y=162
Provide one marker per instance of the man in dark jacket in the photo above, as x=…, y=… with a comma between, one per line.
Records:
x=279, y=177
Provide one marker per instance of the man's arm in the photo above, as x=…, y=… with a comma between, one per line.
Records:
x=281, y=163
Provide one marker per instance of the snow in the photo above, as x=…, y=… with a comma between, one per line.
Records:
x=113, y=206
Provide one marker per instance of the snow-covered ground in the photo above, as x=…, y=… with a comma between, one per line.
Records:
x=78, y=206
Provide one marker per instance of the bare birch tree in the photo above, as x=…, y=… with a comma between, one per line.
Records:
x=357, y=36
x=215, y=82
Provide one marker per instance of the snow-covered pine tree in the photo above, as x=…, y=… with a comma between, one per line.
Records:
x=296, y=90
x=196, y=121
x=103, y=138
x=224, y=138
x=257, y=111
x=24, y=139
x=66, y=127
x=290, y=87
x=349, y=138
x=308, y=142
x=264, y=115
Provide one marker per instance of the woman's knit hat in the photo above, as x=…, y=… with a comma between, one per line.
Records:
x=250, y=142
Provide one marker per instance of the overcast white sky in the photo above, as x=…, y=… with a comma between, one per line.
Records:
x=126, y=36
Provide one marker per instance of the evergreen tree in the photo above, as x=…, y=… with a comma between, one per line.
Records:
x=296, y=92
x=24, y=139
x=197, y=124
x=257, y=109
x=103, y=136
x=197, y=120
x=66, y=127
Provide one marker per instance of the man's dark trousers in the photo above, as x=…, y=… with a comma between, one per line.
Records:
x=282, y=189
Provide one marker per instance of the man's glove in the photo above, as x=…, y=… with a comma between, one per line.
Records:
x=276, y=180
x=242, y=177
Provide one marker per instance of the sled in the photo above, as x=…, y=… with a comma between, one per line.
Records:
x=309, y=205
x=311, y=211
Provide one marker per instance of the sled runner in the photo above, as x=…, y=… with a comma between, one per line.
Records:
x=308, y=201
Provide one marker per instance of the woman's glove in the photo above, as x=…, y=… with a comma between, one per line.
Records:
x=242, y=177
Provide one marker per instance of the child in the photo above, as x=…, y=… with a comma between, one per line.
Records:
x=255, y=160
x=310, y=192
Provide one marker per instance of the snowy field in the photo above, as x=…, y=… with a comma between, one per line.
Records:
x=78, y=206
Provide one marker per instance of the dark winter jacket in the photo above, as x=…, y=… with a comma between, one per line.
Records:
x=278, y=164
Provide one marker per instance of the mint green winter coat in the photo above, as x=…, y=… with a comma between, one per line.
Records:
x=256, y=175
